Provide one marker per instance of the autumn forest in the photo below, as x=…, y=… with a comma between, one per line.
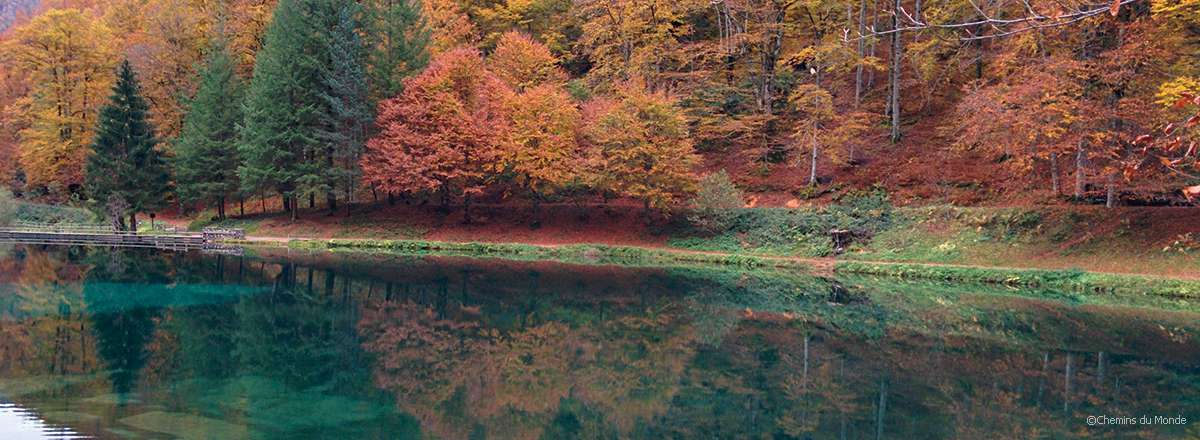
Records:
x=530, y=101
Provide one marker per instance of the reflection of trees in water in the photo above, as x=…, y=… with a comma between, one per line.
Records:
x=537, y=361
x=122, y=336
x=820, y=361
x=524, y=351
x=303, y=336
x=40, y=305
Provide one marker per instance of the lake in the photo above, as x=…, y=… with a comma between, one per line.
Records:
x=102, y=343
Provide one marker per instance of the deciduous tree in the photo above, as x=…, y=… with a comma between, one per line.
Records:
x=541, y=146
x=442, y=132
x=642, y=146
x=523, y=63
x=68, y=60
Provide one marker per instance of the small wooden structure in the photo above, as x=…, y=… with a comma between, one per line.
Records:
x=218, y=234
x=841, y=239
x=99, y=235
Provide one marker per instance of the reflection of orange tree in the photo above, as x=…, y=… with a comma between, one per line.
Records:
x=457, y=376
x=48, y=293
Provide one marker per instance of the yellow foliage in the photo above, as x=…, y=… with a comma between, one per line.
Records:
x=68, y=57
x=542, y=149
x=523, y=63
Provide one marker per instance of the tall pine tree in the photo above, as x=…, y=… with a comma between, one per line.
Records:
x=278, y=136
x=398, y=43
x=347, y=113
x=206, y=157
x=123, y=162
x=306, y=109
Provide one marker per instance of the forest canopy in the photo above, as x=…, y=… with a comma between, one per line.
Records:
x=456, y=100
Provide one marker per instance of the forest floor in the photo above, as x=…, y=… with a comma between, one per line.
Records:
x=1157, y=241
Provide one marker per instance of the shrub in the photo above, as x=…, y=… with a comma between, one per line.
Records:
x=37, y=213
x=716, y=203
x=8, y=207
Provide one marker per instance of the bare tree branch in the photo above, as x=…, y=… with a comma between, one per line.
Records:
x=1001, y=27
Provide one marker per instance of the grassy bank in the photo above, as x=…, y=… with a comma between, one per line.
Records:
x=1075, y=280
x=1067, y=281
x=575, y=253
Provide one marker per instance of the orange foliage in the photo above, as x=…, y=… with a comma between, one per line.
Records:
x=541, y=146
x=523, y=63
x=442, y=132
x=67, y=56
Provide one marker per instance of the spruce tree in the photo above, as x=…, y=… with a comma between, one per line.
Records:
x=123, y=161
x=398, y=40
x=278, y=139
x=346, y=114
x=206, y=151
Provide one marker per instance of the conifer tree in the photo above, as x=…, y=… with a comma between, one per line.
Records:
x=206, y=151
x=278, y=139
x=123, y=161
x=346, y=113
x=397, y=41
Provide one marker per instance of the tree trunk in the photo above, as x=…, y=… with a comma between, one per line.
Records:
x=312, y=200
x=880, y=409
x=895, y=73
x=331, y=202
x=262, y=198
x=1110, y=189
x=1080, y=170
x=1054, y=186
x=295, y=205
x=537, y=208
x=862, y=49
x=221, y=208
x=133, y=222
x=242, y=206
x=1067, y=386
x=812, y=172
x=287, y=202
x=467, y=208
x=445, y=190
x=872, y=46
x=391, y=199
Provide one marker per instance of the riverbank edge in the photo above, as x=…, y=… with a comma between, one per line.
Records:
x=1070, y=280
x=584, y=253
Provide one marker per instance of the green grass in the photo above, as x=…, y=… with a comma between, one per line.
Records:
x=578, y=253
x=792, y=232
x=1072, y=280
x=207, y=219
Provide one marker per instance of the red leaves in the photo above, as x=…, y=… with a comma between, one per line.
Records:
x=1192, y=121
x=1169, y=128
x=441, y=131
x=1115, y=8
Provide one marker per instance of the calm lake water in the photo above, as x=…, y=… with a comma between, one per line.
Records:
x=99, y=343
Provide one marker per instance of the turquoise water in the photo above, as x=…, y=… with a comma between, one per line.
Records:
x=98, y=343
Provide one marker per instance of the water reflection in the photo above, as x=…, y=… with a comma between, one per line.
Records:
x=303, y=346
x=19, y=423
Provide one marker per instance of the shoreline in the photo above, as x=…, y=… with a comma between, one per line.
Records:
x=1070, y=280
